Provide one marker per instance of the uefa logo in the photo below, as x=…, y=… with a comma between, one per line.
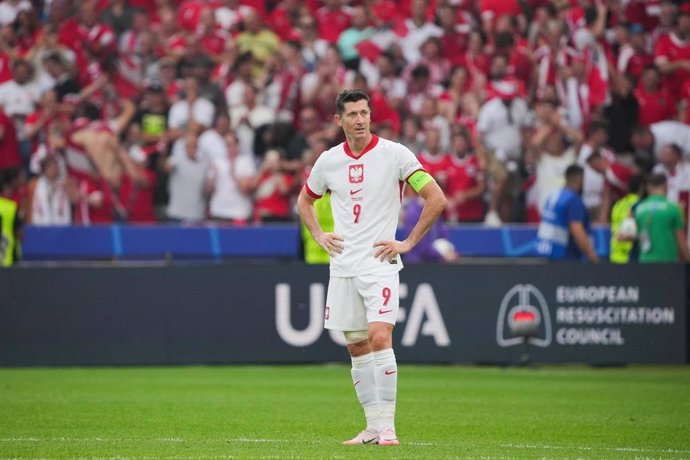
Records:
x=523, y=316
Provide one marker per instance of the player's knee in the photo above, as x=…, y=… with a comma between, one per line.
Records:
x=380, y=340
x=359, y=348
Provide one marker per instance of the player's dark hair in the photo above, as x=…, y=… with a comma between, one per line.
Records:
x=657, y=180
x=350, y=95
x=573, y=172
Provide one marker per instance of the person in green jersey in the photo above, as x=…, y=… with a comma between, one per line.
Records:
x=660, y=225
x=623, y=251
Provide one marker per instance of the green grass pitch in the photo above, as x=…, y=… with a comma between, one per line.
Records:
x=306, y=411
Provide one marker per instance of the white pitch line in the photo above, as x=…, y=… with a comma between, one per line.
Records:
x=612, y=449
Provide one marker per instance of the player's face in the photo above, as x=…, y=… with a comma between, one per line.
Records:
x=355, y=120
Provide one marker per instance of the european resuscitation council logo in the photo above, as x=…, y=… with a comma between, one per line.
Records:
x=524, y=314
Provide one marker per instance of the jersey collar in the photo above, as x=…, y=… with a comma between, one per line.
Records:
x=371, y=145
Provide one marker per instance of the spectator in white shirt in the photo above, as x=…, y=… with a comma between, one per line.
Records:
x=9, y=9
x=677, y=172
x=50, y=201
x=230, y=185
x=594, y=181
x=418, y=31
x=648, y=141
x=190, y=113
x=212, y=144
x=249, y=117
x=188, y=171
x=18, y=99
x=500, y=124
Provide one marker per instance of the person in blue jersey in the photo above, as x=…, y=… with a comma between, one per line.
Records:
x=564, y=229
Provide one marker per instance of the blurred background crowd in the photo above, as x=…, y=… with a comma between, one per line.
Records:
x=190, y=111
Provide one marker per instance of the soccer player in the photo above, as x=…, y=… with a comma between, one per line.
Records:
x=365, y=175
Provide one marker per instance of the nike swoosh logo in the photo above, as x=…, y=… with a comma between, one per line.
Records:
x=369, y=441
x=355, y=192
x=357, y=382
x=390, y=372
x=383, y=312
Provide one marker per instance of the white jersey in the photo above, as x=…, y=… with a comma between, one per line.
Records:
x=365, y=196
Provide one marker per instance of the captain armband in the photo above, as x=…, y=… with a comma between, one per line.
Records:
x=419, y=179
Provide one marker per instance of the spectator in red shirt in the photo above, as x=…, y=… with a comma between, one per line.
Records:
x=283, y=19
x=332, y=20
x=433, y=159
x=672, y=52
x=510, y=44
x=466, y=183
x=491, y=10
x=656, y=104
x=9, y=145
x=272, y=190
x=37, y=125
x=138, y=183
x=5, y=66
x=95, y=202
x=211, y=36
x=456, y=30
x=632, y=54
x=27, y=30
x=85, y=36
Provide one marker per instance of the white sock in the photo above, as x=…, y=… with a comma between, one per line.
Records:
x=387, y=385
x=365, y=386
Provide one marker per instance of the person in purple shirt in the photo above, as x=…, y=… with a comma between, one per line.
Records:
x=434, y=247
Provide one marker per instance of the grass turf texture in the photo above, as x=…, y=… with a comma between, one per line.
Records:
x=306, y=411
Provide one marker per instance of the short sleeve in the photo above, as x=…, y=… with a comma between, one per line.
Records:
x=175, y=118
x=316, y=183
x=407, y=162
x=576, y=211
x=661, y=53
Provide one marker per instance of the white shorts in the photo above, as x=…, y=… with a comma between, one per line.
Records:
x=353, y=303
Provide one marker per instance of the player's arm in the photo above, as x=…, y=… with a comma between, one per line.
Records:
x=434, y=204
x=577, y=229
x=682, y=245
x=330, y=242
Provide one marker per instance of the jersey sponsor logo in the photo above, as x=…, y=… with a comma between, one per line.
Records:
x=356, y=174
x=383, y=312
x=355, y=192
x=390, y=372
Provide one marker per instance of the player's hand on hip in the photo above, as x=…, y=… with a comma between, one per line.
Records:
x=331, y=243
x=387, y=250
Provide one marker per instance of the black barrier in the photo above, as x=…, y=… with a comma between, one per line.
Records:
x=599, y=314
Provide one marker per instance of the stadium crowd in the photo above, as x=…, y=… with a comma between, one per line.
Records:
x=164, y=110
